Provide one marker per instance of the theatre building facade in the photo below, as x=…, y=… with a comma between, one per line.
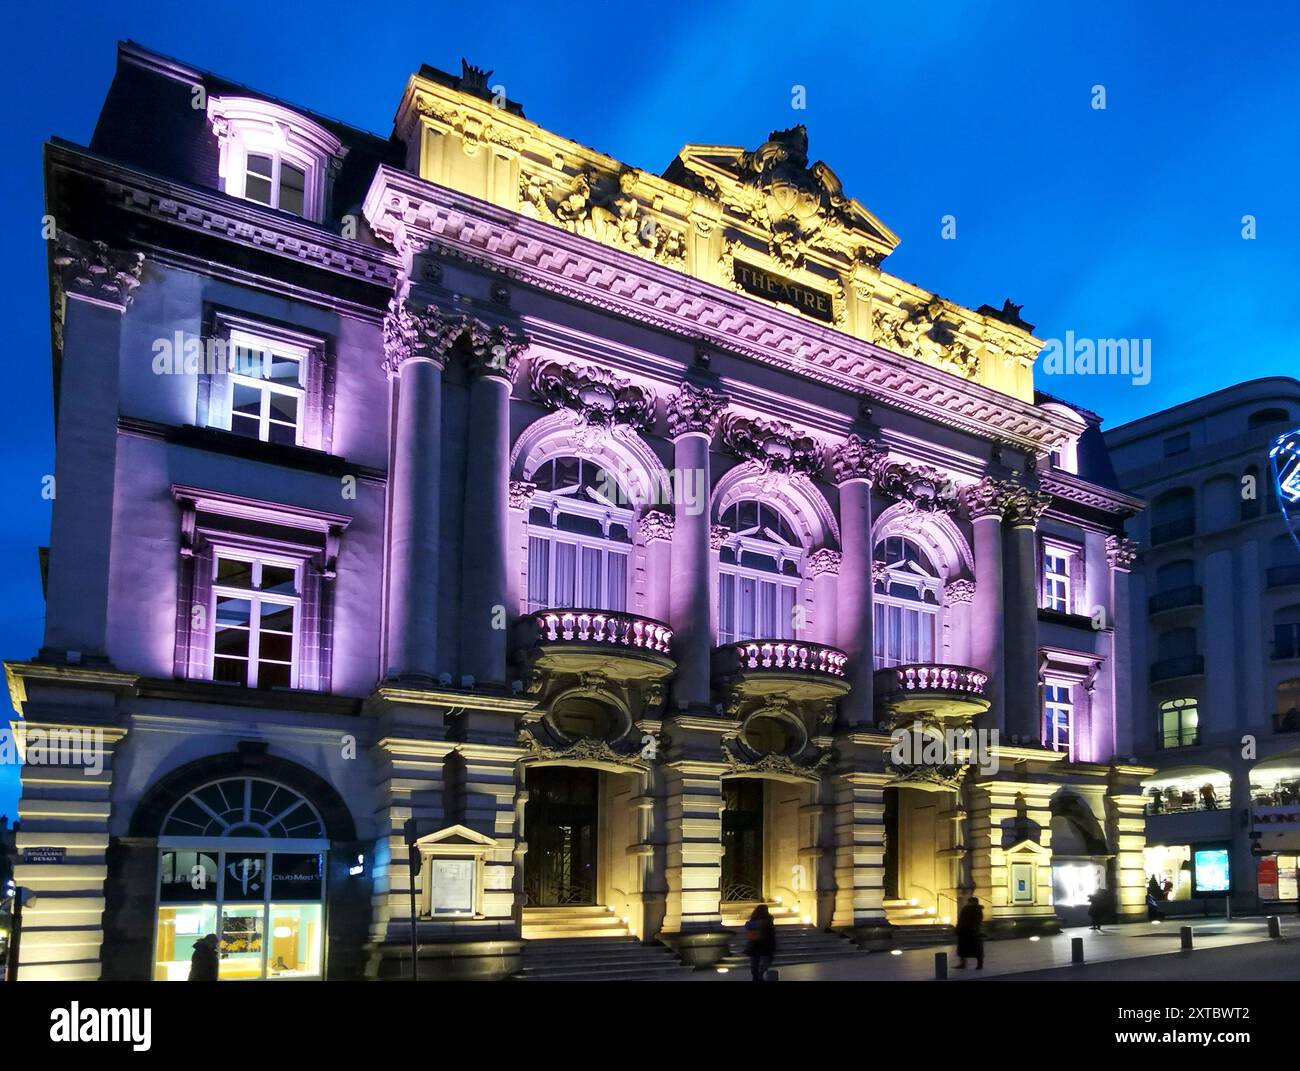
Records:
x=469, y=524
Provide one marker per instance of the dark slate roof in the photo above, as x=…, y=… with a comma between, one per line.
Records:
x=1094, y=457
x=148, y=122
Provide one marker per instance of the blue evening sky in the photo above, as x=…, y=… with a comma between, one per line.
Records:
x=1118, y=223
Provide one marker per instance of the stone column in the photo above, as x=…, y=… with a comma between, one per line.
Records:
x=693, y=832
x=1114, y=730
x=93, y=288
x=485, y=616
x=1126, y=830
x=859, y=849
x=959, y=595
x=656, y=529
x=1020, y=694
x=693, y=414
x=416, y=341
x=984, y=503
x=824, y=567
x=855, y=464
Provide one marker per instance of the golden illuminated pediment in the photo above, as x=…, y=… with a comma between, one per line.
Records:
x=761, y=222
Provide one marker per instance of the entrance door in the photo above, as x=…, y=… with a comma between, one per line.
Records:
x=742, y=841
x=560, y=827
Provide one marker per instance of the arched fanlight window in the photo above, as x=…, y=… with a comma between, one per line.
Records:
x=760, y=567
x=579, y=537
x=907, y=604
x=244, y=807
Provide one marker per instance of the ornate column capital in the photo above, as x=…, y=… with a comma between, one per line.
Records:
x=718, y=535
x=1121, y=552
x=878, y=572
x=595, y=395
x=521, y=493
x=1025, y=506
x=824, y=560
x=493, y=351
x=694, y=410
x=857, y=458
x=656, y=525
x=960, y=591
x=412, y=333
x=93, y=271
x=984, y=499
x=773, y=445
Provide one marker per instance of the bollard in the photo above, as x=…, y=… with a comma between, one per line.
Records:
x=1274, y=926
x=1185, y=932
x=772, y=975
x=1076, y=949
x=941, y=965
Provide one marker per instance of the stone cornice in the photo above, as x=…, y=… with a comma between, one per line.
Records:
x=1072, y=489
x=405, y=210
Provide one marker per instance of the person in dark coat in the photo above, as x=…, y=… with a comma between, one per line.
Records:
x=760, y=942
x=203, y=963
x=1097, y=909
x=970, y=936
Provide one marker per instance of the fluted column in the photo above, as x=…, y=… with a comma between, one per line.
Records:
x=693, y=415
x=824, y=568
x=493, y=357
x=1023, y=707
x=94, y=286
x=416, y=342
x=1115, y=736
x=855, y=464
x=984, y=503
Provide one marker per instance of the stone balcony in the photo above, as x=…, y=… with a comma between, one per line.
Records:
x=621, y=647
x=796, y=670
x=954, y=693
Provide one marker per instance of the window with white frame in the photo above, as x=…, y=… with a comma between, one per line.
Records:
x=907, y=605
x=264, y=388
x=760, y=569
x=579, y=539
x=1061, y=576
x=1058, y=714
x=256, y=604
x=273, y=156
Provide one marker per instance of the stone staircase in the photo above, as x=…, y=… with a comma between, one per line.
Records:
x=549, y=923
x=796, y=940
x=578, y=944
x=916, y=926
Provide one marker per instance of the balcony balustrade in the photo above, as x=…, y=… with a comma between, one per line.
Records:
x=1175, y=599
x=626, y=647
x=1185, y=666
x=932, y=688
x=794, y=668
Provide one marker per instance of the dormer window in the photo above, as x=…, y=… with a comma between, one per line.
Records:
x=274, y=157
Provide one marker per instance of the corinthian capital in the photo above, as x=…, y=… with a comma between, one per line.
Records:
x=987, y=498
x=414, y=333
x=493, y=351
x=857, y=458
x=1121, y=552
x=694, y=409
x=1025, y=506
x=94, y=271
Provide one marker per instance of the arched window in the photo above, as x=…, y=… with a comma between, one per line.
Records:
x=579, y=538
x=1173, y=515
x=760, y=567
x=1262, y=418
x=1286, y=632
x=1179, y=723
x=907, y=604
x=244, y=807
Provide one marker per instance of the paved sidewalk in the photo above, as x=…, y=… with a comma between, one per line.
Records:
x=1009, y=958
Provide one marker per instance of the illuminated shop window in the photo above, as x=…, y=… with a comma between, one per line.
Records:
x=579, y=538
x=1179, y=723
x=256, y=606
x=760, y=567
x=1058, y=715
x=244, y=860
x=1171, y=866
x=906, y=605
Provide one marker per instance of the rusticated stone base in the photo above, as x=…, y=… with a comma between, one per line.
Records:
x=448, y=961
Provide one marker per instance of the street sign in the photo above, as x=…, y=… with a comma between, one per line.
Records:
x=43, y=855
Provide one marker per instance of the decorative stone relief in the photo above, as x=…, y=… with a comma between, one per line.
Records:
x=718, y=535
x=1121, y=552
x=922, y=331
x=656, y=525
x=521, y=493
x=986, y=498
x=920, y=487
x=857, y=458
x=93, y=270
x=960, y=591
x=694, y=410
x=824, y=560
x=1025, y=506
x=595, y=395
x=411, y=332
x=773, y=445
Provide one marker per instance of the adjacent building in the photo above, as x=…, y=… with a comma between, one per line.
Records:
x=1218, y=583
x=466, y=524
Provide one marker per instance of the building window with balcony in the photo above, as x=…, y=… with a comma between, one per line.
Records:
x=579, y=538
x=1058, y=715
x=1286, y=633
x=1286, y=717
x=267, y=382
x=256, y=586
x=1176, y=655
x=273, y=156
x=760, y=572
x=1173, y=515
x=907, y=604
x=1179, y=722
x=1062, y=575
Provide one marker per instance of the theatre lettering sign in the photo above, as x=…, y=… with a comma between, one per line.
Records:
x=807, y=300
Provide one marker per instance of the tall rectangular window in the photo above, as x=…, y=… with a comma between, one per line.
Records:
x=255, y=612
x=1060, y=588
x=1058, y=715
x=267, y=386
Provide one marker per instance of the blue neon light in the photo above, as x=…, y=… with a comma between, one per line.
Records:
x=1284, y=458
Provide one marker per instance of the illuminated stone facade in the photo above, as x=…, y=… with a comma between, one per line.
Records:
x=584, y=532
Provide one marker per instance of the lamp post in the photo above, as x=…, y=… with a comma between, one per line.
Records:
x=413, y=858
x=21, y=898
